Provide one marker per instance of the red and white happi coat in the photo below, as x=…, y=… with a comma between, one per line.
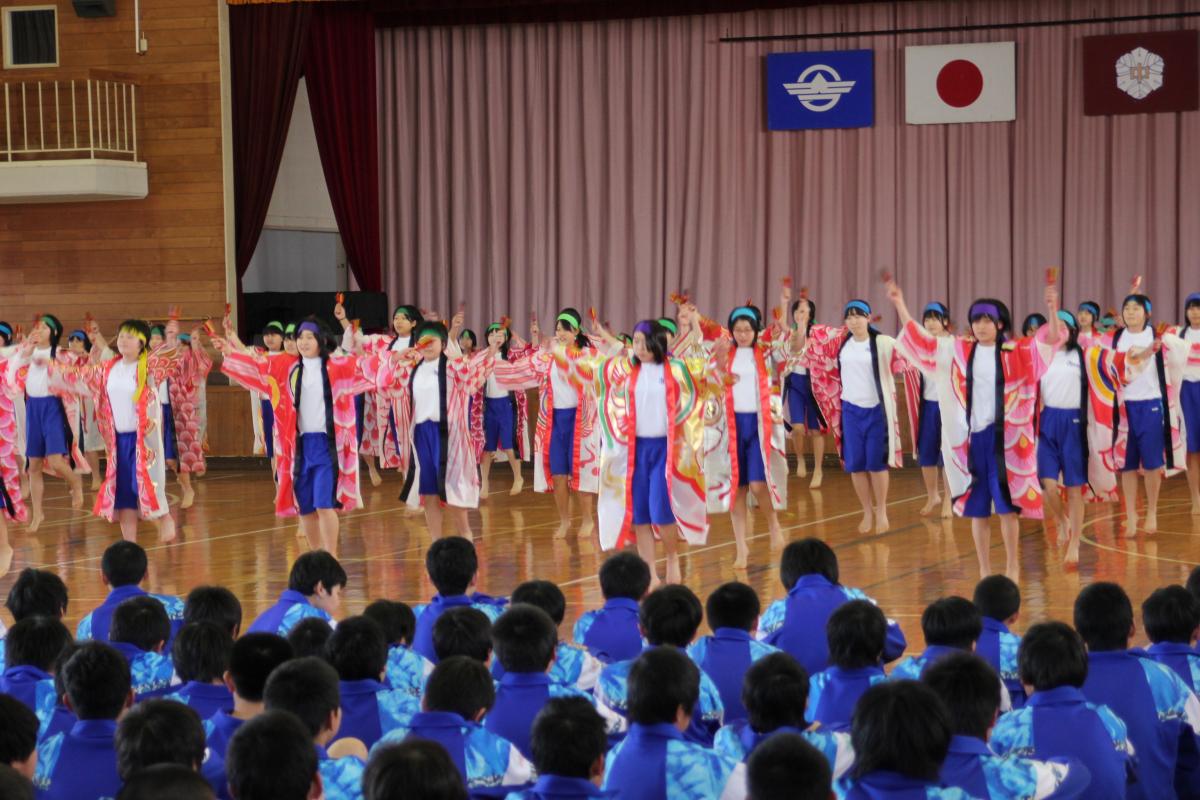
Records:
x=185, y=388
x=521, y=430
x=18, y=374
x=379, y=405
x=11, y=460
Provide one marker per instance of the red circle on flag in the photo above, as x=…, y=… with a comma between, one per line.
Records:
x=959, y=83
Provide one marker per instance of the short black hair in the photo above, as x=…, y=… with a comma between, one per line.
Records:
x=397, y=620
x=809, y=556
x=313, y=568
x=1104, y=616
x=461, y=685
x=567, y=737
x=271, y=757
x=123, y=564
x=166, y=782
x=545, y=595
x=1193, y=582
x=415, y=769
x=357, y=649
x=626, y=575
x=952, y=622
x=856, y=633
x=524, y=638
x=252, y=660
x=900, y=726
x=775, y=692
x=37, y=591
x=309, y=636
x=96, y=680
x=463, y=631
x=1052, y=655
x=14, y=785
x=732, y=605
x=306, y=687
x=671, y=614
x=1169, y=614
x=214, y=604
x=997, y=597
x=201, y=652
x=36, y=642
x=18, y=730
x=970, y=688
x=661, y=681
x=787, y=767
x=140, y=621
x=451, y=563
x=159, y=731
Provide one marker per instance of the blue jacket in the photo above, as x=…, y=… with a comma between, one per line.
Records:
x=280, y=618
x=611, y=633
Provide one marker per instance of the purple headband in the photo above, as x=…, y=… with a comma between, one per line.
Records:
x=644, y=328
x=311, y=327
x=984, y=310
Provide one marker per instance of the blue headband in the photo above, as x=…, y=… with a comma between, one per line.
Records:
x=743, y=312
x=1140, y=299
x=1068, y=318
x=984, y=310
x=1192, y=299
x=936, y=308
x=857, y=305
x=1090, y=307
x=311, y=327
x=77, y=335
x=5, y=329
x=184, y=337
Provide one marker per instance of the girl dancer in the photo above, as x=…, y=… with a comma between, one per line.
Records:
x=1087, y=316
x=499, y=417
x=186, y=388
x=12, y=505
x=163, y=391
x=467, y=342
x=7, y=350
x=803, y=412
x=1031, y=324
x=925, y=416
x=264, y=416
x=1189, y=396
x=86, y=431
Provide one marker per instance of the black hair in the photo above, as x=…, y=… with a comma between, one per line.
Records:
x=18, y=730
x=732, y=605
x=567, y=738
x=1093, y=308
x=123, y=564
x=451, y=563
x=14, y=785
x=952, y=622
x=1052, y=655
x=56, y=331
x=358, y=650
x=83, y=337
x=271, y=757
x=809, y=556
x=96, y=680
x=969, y=688
x=997, y=597
x=1031, y=323
x=166, y=782
x=755, y=320
x=1005, y=321
x=504, y=347
x=432, y=327
x=395, y=618
x=581, y=339
x=661, y=681
x=159, y=731
x=140, y=621
x=414, y=769
x=323, y=336
x=313, y=568
x=60, y=686
x=812, y=312
x=461, y=685
x=306, y=687
x=856, y=633
x=470, y=334
x=214, y=604
x=6, y=333
x=545, y=595
x=37, y=591
x=775, y=692
x=201, y=652
x=941, y=317
x=524, y=638
x=463, y=631
x=656, y=340
x=626, y=575
x=253, y=658
x=1104, y=616
x=142, y=327
x=308, y=637
x=36, y=642
x=412, y=312
x=1169, y=614
x=1193, y=583
x=900, y=726
x=670, y=615
x=787, y=767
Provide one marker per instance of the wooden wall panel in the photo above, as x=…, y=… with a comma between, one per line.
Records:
x=230, y=428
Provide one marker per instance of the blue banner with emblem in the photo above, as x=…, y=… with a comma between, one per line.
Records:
x=829, y=89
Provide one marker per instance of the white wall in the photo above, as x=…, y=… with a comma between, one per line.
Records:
x=301, y=198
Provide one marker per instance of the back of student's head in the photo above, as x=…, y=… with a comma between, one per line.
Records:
x=661, y=681
x=140, y=621
x=1169, y=614
x=524, y=638
x=1104, y=617
x=415, y=769
x=461, y=685
x=201, y=652
x=123, y=564
x=732, y=605
x=809, y=556
x=545, y=595
x=952, y=622
x=670, y=615
x=96, y=681
x=626, y=575
x=997, y=597
x=37, y=591
x=463, y=631
x=1193, y=582
x=856, y=632
x=316, y=568
x=395, y=618
x=786, y=767
x=568, y=737
x=252, y=660
x=271, y=757
x=166, y=782
x=357, y=649
x=900, y=726
x=775, y=692
x=36, y=642
x=306, y=687
x=451, y=563
x=309, y=636
x=14, y=785
x=159, y=732
x=970, y=689
x=214, y=604
x=18, y=731
x=1052, y=655
x=60, y=688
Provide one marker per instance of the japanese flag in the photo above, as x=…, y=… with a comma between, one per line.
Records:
x=960, y=83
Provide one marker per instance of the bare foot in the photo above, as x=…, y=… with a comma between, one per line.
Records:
x=930, y=504
x=1131, y=523
x=484, y=488
x=777, y=539
x=743, y=557
x=947, y=507
x=6, y=557
x=654, y=581
x=801, y=468
x=1151, y=523
x=376, y=478
x=866, y=524
x=1013, y=573
x=1064, y=531
x=77, y=497
x=518, y=485
x=561, y=532
x=817, y=477
x=1072, y=556
x=881, y=522
x=96, y=482
x=189, y=497
x=674, y=575
x=586, y=527
x=301, y=535
x=167, y=534
x=35, y=522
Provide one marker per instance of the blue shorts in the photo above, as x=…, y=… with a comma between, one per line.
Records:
x=864, y=438
x=360, y=408
x=802, y=406
x=929, y=435
x=427, y=442
x=1060, y=446
x=749, y=452
x=986, y=491
x=651, y=501
x=562, y=441
x=127, y=493
x=316, y=486
x=268, y=426
x=45, y=427
x=170, y=447
x=1144, y=447
x=1189, y=400
x=498, y=423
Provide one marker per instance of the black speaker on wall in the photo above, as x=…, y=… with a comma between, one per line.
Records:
x=95, y=8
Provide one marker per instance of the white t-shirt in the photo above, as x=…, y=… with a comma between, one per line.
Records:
x=1191, y=335
x=983, y=397
x=312, y=398
x=929, y=389
x=651, y=399
x=122, y=383
x=565, y=395
x=400, y=343
x=1061, y=383
x=745, y=391
x=37, y=380
x=164, y=394
x=1145, y=385
x=427, y=397
x=858, y=376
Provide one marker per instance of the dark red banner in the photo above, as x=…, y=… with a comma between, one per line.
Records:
x=1141, y=73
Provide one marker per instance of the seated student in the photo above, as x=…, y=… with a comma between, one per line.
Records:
x=83, y=761
x=568, y=742
x=573, y=664
x=787, y=767
x=655, y=761
x=308, y=688
x=611, y=633
x=1193, y=582
x=856, y=633
x=775, y=692
x=999, y=602
x=451, y=563
x=166, y=782
x=271, y=757
x=358, y=651
x=35, y=645
x=252, y=659
x=35, y=592
x=314, y=590
x=406, y=669
x=416, y=769
x=18, y=736
x=201, y=657
x=122, y=568
x=166, y=732
x=463, y=631
x=809, y=572
x=967, y=685
x=14, y=785
x=61, y=719
x=458, y=695
x=139, y=632
x=214, y=604
x=951, y=625
x=1171, y=616
x=732, y=611
x=309, y=637
x=1156, y=706
x=670, y=615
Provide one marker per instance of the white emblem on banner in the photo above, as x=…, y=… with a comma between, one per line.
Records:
x=819, y=88
x=1139, y=72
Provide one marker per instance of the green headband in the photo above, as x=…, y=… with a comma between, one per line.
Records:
x=570, y=319
x=670, y=325
x=51, y=323
x=495, y=326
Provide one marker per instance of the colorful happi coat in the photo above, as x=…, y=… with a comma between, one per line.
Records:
x=520, y=401
x=18, y=372
x=11, y=460
x=185, y=388
x=379, y=409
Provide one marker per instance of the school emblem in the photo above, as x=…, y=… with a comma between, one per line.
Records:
x=1139, y=72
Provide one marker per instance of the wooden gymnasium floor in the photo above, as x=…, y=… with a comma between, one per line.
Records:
x=231, y=537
